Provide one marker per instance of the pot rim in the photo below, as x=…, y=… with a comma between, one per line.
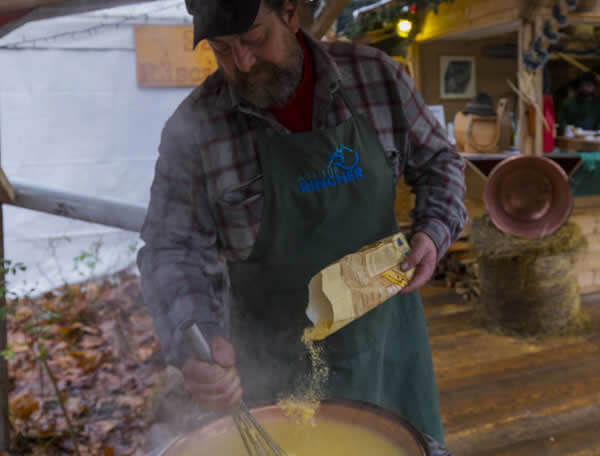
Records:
x=265, y=406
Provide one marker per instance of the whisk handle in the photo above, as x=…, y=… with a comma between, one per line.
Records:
x=198, y=343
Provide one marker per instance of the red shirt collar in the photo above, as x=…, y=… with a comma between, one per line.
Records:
x=296, y=116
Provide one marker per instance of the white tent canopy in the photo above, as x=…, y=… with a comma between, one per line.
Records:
x=72, y=118
x=97, y=29
x=15, y=13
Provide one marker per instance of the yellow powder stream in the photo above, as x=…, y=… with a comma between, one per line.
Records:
x=303, y=406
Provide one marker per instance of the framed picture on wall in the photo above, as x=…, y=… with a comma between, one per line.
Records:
x=457, y=78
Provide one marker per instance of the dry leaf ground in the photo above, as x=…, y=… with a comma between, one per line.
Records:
x=105, y=356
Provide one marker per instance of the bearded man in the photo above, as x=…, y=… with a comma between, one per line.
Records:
x=246, y=173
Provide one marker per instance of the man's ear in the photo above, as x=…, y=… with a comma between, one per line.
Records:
x=289, y=15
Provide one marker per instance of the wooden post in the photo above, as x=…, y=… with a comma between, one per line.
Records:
x=525, y=140
x=330, y=12
x=539, y=97
x=414, y=59
x=4, y=435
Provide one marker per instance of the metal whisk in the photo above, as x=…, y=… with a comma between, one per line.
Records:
x=256, y=439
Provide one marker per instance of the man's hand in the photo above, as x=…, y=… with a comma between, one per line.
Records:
x=422, y=257
x=215, y=386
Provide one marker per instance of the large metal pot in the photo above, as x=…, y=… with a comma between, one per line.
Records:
x=388, y=424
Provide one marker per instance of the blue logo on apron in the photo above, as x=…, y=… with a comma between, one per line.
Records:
x=339, y=171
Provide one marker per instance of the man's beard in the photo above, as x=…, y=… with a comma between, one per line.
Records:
x=267, y=84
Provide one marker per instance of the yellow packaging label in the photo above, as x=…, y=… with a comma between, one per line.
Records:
x=397, y=276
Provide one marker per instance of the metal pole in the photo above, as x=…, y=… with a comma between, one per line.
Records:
x=4, y=436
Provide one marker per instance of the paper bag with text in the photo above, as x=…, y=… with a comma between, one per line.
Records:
x=359, y=282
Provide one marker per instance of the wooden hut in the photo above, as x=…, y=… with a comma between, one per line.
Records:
x=496, y=36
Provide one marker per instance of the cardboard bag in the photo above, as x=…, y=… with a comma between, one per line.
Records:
x=359, y=282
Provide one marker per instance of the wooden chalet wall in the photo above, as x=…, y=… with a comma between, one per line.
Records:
x=587, y=10
x=491, y=73
x=466, y=17
x=478, y=19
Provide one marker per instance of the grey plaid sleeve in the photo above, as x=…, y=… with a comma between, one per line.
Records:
x=179, y=262
x=434, y=169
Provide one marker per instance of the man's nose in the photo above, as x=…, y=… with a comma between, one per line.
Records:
x=243, y=58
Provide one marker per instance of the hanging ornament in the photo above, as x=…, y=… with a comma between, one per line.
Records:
x=390, y=15
x=540, y=50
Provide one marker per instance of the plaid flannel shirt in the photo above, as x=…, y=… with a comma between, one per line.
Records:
x=205, y=204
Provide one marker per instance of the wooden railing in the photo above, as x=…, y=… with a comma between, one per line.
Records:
x=107, y=212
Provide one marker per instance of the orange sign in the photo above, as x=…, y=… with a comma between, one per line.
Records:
x=166, y=58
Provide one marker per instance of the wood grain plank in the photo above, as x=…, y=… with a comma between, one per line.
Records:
x=451, y=324
x=483, y=357
x=555, y=357
x=476, y=347
x=583, y=440
x=513, y=397
x=502, y=395
x=463, y=16
x=490, y=437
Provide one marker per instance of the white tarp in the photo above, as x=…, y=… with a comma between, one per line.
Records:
x=72, y=118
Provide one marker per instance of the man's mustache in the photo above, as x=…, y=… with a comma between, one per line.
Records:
x=246, y=80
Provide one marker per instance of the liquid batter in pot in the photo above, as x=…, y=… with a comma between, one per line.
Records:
x=323, y=438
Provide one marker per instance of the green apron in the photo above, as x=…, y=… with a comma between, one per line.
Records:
x=328, y=193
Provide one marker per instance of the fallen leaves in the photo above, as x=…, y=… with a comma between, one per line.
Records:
x=88, y=360
x=71, y=333
x=23, y=405
x=92, y=341
x=92, y=292
x=134, y=402
x=75, y=291
x=23, y=313
x=101, y=347
x=103, y=427
x=75, y=406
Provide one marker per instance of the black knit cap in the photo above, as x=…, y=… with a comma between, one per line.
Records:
x=481, y=105
x=214, y=18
